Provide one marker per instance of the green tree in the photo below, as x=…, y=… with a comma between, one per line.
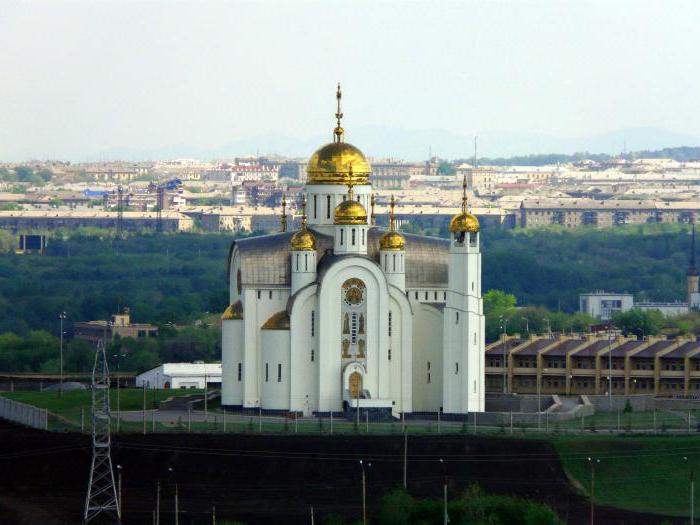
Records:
x=445, y=168
x=639, y=322
x=499, y=309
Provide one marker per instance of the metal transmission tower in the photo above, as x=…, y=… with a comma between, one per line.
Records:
x=101, y=500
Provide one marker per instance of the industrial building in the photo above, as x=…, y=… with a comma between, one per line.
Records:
x=181, y=375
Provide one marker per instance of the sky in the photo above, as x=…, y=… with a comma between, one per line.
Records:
x=82, y=79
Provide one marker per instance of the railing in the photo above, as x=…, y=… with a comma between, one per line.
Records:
x=24, y=414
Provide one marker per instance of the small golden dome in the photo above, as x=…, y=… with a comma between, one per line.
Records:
x=303, y=241
x=350, y=212
x=392, y=241
x=234, y=311
x=464, y=222
x=332, y=165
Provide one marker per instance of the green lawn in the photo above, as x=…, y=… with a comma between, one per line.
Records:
x=602, y=421
x=69, y=405
x=641, y=473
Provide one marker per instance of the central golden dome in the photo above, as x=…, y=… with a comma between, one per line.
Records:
x=338, y=162
x=332, y=165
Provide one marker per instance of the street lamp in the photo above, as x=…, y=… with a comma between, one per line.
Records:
x=177, y=517
x=692, y=493
x=539, y=398
x=593, y=462
x=445, y=518
x=527, y=325
x=504, y=324
x=549, y=327
x=117, y=358
x=62, y=317
x=119, y=487
x=364, y=492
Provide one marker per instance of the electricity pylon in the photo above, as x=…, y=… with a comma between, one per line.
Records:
x=101, y=499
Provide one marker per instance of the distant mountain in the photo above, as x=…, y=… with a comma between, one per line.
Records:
x=386, y=141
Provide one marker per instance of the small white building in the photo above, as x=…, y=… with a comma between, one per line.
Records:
x=602, y=305
x=181, y=375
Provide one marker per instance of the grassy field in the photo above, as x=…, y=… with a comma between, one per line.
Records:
x=645, y=473
x=603, y=421
x=70, y=405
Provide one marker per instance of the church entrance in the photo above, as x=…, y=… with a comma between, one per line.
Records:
x=355, y=384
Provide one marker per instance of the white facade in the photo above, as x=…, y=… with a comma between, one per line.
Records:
x=347, y=318
x=181, y=375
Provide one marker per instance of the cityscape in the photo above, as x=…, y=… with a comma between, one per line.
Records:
x=349, y=263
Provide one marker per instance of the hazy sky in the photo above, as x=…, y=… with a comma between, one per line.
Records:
x=82, y=77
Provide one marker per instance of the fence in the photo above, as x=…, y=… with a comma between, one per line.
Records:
x=24, y=414
x=518, y=423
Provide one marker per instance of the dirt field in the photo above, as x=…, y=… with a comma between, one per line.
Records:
x=273, y=479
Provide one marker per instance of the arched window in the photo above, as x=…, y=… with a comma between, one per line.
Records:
x=363, y=236
x=313, y=323
x=389, y=324
x=297, y=262
x=393, y=258
x=328, y=206
x=315, y=204
x=353, y=236
x=306, y=262
x=342, y=230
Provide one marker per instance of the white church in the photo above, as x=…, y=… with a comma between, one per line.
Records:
x=342, y=314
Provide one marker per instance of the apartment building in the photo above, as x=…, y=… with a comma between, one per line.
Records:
x=575, y=212
x=592, y=364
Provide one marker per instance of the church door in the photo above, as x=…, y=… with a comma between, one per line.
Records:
x=355, y=384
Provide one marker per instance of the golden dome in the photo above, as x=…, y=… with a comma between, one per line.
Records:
x=303, y=241
x=350, y=212
x=464, y=222
x=279, y=321
x=392, y=241
x=338, y=163
x=234, y=311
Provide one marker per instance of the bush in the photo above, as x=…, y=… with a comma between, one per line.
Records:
x=396, y=507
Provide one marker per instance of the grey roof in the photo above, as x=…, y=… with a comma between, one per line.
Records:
x=265, y=259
